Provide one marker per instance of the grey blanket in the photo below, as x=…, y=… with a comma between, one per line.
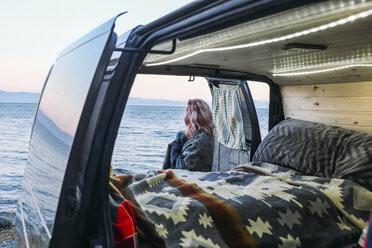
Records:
x=319, y=150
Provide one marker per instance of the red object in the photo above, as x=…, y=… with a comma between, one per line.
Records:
x=125, y=229
x=368, y=239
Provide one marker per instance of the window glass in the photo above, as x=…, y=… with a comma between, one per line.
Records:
x=261, y=97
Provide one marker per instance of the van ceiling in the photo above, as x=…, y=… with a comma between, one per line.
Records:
x=343, y=27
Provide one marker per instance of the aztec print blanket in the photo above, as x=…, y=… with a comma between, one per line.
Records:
x=255, y=205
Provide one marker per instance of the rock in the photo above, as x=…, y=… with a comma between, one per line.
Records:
x=6, y=234
x=6, y=230
x=5, y=222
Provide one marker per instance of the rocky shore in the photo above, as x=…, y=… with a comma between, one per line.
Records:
x=7, y=230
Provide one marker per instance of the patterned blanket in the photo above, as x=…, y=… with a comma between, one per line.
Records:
x=256, y=205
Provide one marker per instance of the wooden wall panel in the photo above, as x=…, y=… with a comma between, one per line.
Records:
x=330, y=103
x=348, y=105
x=332, y=117
x=345, y=89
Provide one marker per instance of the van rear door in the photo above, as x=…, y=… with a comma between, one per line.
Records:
x=62, y=134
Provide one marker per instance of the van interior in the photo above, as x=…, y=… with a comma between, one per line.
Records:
x=316, y=62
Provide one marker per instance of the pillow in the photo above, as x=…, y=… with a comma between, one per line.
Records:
x=319, y=150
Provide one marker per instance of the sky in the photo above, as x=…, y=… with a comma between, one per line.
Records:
x=32, y=33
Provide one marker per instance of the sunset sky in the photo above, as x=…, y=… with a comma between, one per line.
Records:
x=34, y=32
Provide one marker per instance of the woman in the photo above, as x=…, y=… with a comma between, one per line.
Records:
x=193, y=148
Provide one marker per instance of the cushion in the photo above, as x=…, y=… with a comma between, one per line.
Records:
x=319, y=150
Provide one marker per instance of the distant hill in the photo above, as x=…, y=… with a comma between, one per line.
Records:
x=27, y=97
x=154, y=102
x=160, y=102
x=20, y=97
x=53, y=128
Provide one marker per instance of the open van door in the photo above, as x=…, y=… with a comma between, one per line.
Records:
x=52, y=207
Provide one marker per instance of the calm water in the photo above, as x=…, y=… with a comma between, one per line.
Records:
x=142, y=140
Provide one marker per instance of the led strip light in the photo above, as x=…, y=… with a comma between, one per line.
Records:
x=288, y=74
x=273, y=40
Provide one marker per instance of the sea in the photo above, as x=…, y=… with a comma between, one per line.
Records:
x=143, y=136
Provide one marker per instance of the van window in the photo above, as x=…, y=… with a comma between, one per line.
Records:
x=153, y=115
x=261, y=97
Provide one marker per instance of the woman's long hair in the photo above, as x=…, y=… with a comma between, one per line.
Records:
x=198, y=118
